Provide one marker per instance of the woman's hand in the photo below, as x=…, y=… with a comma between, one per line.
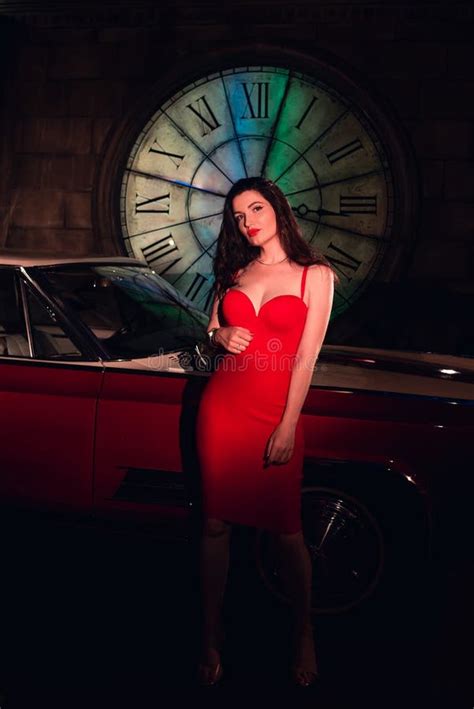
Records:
x=280, y=445
x=234, y=339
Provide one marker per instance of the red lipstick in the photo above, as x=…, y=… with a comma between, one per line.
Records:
x=253, y=232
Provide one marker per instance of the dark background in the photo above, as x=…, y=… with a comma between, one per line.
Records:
x=71, y=70
x=109, y=617
x=105, y=617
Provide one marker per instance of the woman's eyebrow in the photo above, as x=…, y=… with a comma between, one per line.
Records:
x=248, y=207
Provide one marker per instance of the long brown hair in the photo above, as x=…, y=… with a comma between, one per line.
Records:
x=233, y=250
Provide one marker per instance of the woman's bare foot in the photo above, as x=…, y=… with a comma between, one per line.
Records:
x=304, y=670
x=209, y=668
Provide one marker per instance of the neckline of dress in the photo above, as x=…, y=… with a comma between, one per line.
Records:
x=262, y=305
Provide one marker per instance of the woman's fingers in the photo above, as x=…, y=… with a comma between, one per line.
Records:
x=241, y=339
x=244, y=337
x=268, y=450
x=235, y=339
x=280, y=447
x=238, y=345
x=278, y=456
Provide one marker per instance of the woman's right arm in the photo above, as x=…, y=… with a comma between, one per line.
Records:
x=214, y=317
x=234, y=339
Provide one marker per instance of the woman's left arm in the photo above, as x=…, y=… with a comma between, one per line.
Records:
x=320, y=284
x=320, y=287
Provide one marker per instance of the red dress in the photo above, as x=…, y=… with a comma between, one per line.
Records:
x=242, y=404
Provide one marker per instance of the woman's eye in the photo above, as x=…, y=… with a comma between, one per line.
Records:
x=257, y=208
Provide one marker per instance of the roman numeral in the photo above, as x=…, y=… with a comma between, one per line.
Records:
x=303, y=117
x=208, y=299
x=174, y=157
x=194, y=289
x=358, y=204
x=160, y=249
x=344, y=151
x=142, y=207
x=205, y=114
x=343, y=260
x=257, y=99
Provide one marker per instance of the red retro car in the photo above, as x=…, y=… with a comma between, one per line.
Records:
x=102, y=364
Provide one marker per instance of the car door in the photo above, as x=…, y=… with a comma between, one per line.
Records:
x=145, y=457
x=48, y=399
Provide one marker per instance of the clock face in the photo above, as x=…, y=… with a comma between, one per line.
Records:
x=320, y=149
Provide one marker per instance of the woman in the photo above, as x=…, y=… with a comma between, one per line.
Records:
x=270, y=314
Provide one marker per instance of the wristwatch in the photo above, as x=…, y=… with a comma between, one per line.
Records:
x=211, y=334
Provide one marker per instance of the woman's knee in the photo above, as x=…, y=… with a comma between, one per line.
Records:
x=216, y=527
x=293, y=539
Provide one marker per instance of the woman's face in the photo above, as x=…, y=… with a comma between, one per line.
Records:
x=255, y=217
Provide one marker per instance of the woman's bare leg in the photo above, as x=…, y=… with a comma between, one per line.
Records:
x=296, y=571
x=214, y=566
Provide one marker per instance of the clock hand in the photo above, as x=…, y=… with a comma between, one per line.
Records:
x=374, y=237
x=302, y=210
x=180, y=183
x=313, y=142
x=167, y=227
x=181, y=130
x=339, y=181
x=234, y=129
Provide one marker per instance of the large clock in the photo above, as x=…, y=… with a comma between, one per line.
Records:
x=333, y=148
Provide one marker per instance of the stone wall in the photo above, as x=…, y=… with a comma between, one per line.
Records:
x=67, y=77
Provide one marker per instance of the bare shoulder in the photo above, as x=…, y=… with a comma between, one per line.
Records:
x=320, y=282
x=319, y=273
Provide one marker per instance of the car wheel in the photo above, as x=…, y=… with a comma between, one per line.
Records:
x=346, y=546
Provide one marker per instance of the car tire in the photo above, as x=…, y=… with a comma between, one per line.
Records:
x=358, y=544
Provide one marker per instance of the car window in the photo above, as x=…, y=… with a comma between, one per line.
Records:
x=49, y=339
x=131, y=310
x=13, y=336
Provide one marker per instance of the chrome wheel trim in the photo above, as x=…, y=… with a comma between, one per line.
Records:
x=346, y=547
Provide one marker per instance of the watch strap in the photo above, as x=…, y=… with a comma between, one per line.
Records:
x=211, y=334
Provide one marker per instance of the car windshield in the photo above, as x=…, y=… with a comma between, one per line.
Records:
x=131, y=310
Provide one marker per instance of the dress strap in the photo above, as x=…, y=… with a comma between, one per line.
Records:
x=303, y=280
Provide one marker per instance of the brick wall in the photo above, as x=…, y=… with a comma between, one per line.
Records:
x=70, y=77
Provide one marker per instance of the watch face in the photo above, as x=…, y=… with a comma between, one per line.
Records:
x=321, y=149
